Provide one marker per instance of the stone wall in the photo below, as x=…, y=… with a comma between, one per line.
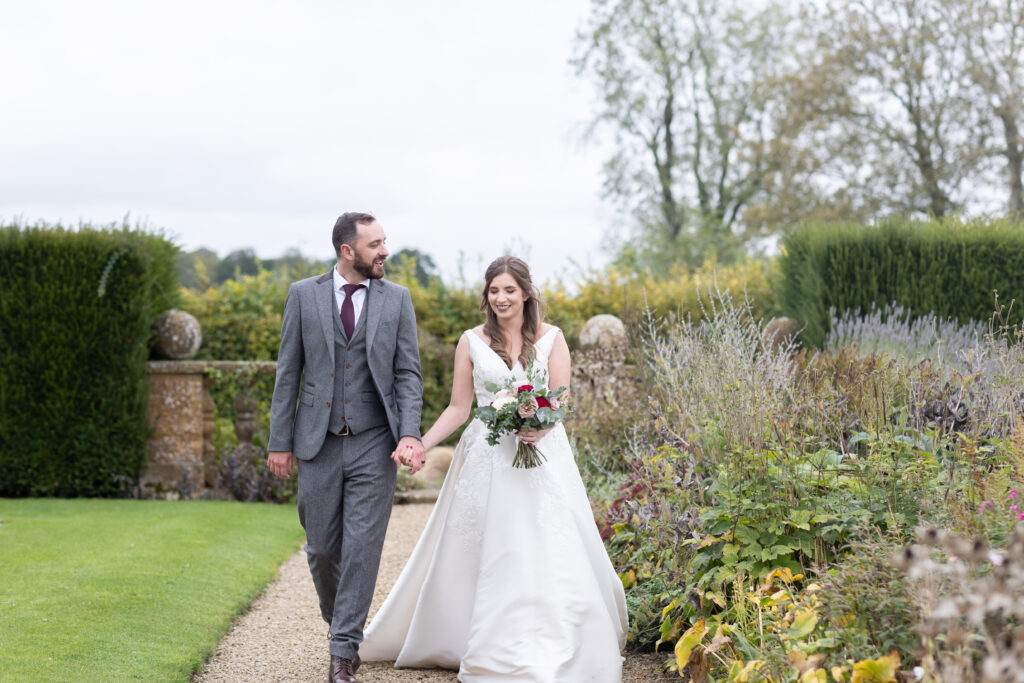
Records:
x=180, y=410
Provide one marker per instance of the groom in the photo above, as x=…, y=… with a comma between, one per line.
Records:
x=348, y=391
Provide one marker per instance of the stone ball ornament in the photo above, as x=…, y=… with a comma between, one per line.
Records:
x=781, y=332
x=176, y=335
x=603, y=332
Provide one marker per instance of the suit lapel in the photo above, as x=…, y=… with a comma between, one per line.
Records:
x=374, y=304
x=327, y=307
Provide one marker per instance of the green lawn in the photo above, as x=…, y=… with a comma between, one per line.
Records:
x=114, y=590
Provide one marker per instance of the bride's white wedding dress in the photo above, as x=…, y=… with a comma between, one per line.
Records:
x=510, y=580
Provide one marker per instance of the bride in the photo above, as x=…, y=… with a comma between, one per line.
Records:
x=510, y=579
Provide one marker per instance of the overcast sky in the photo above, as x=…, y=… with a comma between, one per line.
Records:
x=254, y=124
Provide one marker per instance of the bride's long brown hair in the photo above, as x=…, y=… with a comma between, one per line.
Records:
x=533, y=313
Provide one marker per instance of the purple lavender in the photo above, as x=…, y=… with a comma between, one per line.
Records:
x=893, y=332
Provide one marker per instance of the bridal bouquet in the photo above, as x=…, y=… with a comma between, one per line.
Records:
x=521, y=407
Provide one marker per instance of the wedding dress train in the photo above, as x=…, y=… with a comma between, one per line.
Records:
x=510, y=580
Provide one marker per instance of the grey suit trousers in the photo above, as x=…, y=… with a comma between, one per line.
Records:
x=351, y=478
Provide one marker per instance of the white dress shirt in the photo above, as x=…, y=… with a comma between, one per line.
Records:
x=358, y=297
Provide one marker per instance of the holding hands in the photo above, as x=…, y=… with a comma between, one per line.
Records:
x=410, y=453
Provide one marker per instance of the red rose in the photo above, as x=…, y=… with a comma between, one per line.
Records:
x=543, y=402
x=525, y=387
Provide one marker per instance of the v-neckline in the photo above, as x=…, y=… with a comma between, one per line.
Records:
x=517, y=362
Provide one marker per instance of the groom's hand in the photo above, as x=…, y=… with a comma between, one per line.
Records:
x=410, y=452
x=280, y=462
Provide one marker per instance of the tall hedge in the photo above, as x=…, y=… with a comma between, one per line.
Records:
x=76, y=309
x=950, y=267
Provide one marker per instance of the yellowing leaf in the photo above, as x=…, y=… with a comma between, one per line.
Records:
x=803, y=623
x=784, y=575
x=838, y=673
x=748, y=673
x=803, y=663
x=716, y=598
x=628, y=579
x=709, y=540
x=814, y=676
x=669, y=607
x=881, y=670
x=691, y=638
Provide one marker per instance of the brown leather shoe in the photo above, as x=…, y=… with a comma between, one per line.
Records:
x=343, y=670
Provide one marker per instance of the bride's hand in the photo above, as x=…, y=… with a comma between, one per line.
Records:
x=532, y=435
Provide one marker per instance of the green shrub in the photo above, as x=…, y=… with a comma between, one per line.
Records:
x=868, y=603
x=76, y=310
x=949, y=267
x=647, y=524
x=241, y=319
x=631, y=295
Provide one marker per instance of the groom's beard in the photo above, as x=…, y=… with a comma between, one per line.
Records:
x=367, y=269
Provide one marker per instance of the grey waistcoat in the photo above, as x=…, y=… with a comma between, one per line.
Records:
x=356, y=402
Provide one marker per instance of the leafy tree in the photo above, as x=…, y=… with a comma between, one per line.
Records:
x=422, y=264
x=683, y=87
x=992, y=34
x=196, y=267
x=906, y=136
x=237, y=263
x=292, y=262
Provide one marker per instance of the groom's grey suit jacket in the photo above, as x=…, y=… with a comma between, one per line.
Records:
x=305, y=386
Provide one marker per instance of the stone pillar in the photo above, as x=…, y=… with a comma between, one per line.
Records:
x=599, y=369
x=180, y=418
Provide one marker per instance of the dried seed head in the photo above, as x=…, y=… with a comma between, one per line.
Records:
x=997, y=669
x=930, y=536
x=905, y=558
x=957, y=637
x=957, y=546
x=979, y=551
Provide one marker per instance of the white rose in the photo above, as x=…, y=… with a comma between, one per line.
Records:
x=502, y=399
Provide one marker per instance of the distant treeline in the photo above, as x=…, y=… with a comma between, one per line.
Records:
x=204, y=268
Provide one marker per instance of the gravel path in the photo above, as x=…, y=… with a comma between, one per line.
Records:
x=282, y=637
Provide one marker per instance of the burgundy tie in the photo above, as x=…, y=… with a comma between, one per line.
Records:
x=348, y=312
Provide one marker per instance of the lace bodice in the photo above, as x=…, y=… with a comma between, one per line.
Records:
x=489, y=367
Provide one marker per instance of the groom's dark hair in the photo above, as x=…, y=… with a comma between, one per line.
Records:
x=345, y=229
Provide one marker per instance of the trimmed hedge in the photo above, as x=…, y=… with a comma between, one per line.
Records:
x=76, y=310
x=949, y=267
